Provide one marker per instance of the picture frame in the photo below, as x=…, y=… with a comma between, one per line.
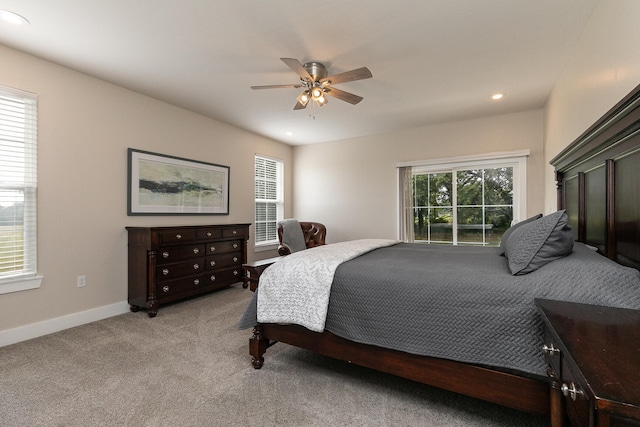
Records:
x=160, y=184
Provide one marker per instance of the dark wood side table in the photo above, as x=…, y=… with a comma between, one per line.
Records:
x=253, y=270
x=593, y=357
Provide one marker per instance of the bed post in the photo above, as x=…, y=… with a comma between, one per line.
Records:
x=257, y=347
x=556, y=400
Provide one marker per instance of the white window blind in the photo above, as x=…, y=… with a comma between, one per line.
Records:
x=18, y=184
x=269, y=199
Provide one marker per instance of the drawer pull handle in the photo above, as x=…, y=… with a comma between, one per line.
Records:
x=196, y=266
x=550, y=350
x=208, y=234
x=235, y=232
x=165, y=289
x=235, y=246
x=178, y=236
x=571, y=391
x=213, y=248
x=196, y=282
x=165, y=271
x=196, y=251
x=235, y=259
x=213, y=277
x=165, y=254
x=213, y=263
x=235, y=272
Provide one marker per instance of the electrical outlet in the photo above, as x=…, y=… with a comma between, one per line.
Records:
x=82, y=281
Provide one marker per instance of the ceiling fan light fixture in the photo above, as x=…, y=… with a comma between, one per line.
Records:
x=317, y=93
x=303, y=98
x=316, y=84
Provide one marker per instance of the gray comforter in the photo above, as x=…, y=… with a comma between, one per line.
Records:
x=461, y=303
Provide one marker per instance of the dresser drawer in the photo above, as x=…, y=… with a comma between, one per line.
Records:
x=224, y=260
x=173, y=289
x=170, y=254
x=225, y=277
x=179, y=269
x=224, y=246
x=208, y=233
x=176, y=236
x=170, y=289
x=234, y=232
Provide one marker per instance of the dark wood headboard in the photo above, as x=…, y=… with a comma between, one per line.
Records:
x=598, y=178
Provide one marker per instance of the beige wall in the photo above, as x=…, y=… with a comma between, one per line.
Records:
x=603, y=69
x=350, y=185
x=85, y=128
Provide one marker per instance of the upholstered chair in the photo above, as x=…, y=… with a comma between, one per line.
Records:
x=295, y=235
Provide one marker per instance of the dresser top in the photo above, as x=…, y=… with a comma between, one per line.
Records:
x=604, y=344
x=170, y=227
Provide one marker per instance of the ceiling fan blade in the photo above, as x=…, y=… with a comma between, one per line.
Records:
x=344, y=96
x=300, y=106
x=297, y=67
x=276, y=86
x=349, y=76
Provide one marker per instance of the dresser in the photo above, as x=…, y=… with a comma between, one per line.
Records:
x=171, y=263
x=593, y=357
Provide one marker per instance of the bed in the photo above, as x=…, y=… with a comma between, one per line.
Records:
x=598, y=192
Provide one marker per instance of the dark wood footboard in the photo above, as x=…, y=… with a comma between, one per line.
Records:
x=517, y=392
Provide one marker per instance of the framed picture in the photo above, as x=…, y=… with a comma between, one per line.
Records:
x=167, y=185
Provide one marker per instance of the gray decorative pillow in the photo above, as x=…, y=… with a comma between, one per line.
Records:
x=514, y=227
x=292, y=235
x=539, y=242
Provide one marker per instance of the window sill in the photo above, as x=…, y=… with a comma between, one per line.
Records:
x=22, y=284
x=266, y=247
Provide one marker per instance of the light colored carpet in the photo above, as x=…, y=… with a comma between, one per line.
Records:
x=190, y=366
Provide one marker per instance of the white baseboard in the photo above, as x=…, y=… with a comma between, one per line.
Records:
x=34, y=330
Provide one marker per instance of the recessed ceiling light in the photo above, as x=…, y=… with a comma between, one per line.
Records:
x=13, y=18
x=497, y=96
x=289, y=133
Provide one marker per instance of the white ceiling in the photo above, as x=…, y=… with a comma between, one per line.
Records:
x=432, y=61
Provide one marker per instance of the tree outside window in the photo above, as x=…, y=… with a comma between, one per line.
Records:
x=463, y=206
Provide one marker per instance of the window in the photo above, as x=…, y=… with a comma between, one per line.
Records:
x=464, y=201
x=269, y=195
x=18, y=184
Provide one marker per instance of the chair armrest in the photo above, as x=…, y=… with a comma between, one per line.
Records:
x=284, y=250
x=314, y=234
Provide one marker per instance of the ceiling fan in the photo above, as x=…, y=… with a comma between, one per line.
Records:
x=316, y=84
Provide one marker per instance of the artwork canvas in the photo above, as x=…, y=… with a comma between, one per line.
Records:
x=167, y=185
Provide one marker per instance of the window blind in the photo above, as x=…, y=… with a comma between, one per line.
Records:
x=268, y=199
x=18, y=183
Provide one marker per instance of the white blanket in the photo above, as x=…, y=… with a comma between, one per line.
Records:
x=296, y=288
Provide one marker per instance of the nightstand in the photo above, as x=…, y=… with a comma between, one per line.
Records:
x=253, y=270
x=593, y=357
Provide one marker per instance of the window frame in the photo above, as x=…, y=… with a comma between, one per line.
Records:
x=515, y=159
x=263, y=245
x=27, y=278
